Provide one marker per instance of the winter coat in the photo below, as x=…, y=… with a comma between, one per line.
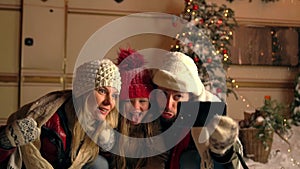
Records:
x=62, y=142
x=187, y=142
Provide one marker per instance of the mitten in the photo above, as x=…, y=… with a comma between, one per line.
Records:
x=223, y=132
x=21, y=132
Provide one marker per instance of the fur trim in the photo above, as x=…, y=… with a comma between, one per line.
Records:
x=41, y=110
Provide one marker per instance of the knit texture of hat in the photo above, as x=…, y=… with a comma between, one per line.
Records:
x=178, y=72
x=136, y=80
x=95, y=74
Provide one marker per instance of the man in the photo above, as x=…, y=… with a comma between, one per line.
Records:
x=177, y=80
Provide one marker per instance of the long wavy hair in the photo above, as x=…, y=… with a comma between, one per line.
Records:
x=142, y=130
x=85, y=123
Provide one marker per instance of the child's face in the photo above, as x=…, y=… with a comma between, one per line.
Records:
x=136, y=109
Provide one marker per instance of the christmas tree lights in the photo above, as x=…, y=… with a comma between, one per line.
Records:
x=206, y=39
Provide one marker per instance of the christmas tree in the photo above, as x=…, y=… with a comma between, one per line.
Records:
x=296, y=104
x=206, y=39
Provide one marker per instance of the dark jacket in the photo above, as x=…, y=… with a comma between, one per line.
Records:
x=228, y=161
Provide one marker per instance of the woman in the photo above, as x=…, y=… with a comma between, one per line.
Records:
x=57, y=131
x=137, y=120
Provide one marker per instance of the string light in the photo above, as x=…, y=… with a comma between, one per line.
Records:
x=293, y=161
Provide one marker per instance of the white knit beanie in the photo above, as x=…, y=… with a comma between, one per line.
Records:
x=178, y=72
x=94, y=74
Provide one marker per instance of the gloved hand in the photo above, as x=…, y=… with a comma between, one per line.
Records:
x=23, y=131
x=223, y=132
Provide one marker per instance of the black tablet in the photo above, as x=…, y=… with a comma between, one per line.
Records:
x=200, y=112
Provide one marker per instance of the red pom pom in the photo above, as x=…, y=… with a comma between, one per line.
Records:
x=129, y=59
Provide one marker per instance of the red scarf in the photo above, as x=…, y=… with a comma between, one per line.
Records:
x=177, y=151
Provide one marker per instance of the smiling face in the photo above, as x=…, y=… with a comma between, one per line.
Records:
x=102, y=102
x=136, y=109
x=168, y=101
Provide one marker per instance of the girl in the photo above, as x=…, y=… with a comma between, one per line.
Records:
x=137, y=120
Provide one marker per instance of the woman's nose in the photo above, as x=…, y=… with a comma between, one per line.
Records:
x=108, y=99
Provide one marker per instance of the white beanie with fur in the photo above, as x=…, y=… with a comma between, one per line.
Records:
x=179, y=72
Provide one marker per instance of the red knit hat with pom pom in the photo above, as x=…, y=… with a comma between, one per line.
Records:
x=136, y=80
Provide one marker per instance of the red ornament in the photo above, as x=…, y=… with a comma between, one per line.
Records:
x=187, y=0
x=219, y=90
x=209, y=60
x=196, y=59
x=224, y=51
x=190, y=44
x=201, y=21
x=195, y=7
x=220, y=21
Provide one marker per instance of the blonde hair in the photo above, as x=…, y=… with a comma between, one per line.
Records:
x=142, y=130
x=79, y=134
